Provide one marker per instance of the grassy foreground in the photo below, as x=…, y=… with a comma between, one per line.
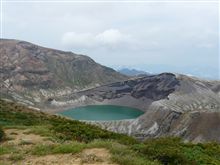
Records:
x=70, y=136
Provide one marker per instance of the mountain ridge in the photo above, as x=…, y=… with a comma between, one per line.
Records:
x=28, y=69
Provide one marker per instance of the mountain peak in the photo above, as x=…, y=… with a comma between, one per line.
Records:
x=27, y=68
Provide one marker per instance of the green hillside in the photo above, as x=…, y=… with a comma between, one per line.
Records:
x=51, y=135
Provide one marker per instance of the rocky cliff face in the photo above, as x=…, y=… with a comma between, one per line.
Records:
x=29, y=71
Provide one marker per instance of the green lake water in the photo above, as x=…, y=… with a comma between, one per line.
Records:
x=102, y=112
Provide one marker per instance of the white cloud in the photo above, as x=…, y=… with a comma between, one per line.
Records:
x=108, y=38
x=111, y=36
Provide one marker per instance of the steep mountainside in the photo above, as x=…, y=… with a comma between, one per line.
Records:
x=28, y=70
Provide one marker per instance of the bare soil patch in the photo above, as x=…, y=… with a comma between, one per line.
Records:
x=23, y=140
x=22, y=137
x=95, y=156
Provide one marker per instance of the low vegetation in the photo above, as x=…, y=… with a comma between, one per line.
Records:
x=64, y=136
x=2, y=134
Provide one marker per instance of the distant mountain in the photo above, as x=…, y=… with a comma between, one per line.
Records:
x=132, y=72
x=28, y=70
x=210, y=73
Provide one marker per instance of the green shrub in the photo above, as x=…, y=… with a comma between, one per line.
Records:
x=16, y=157
x=42, y=149
x=207, y=153
x=7, y=149
x=125, y=156
x=82, y=132
x=166, y=150
x=69, y=148
x=171, y=150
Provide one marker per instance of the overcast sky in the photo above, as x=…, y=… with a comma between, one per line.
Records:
x=140, y=35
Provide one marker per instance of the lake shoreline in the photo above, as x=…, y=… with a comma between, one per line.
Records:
x=102, y=113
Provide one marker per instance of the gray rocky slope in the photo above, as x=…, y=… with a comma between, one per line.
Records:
x=173, y=104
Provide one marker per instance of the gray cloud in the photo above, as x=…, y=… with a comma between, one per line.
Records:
x=173, y=34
